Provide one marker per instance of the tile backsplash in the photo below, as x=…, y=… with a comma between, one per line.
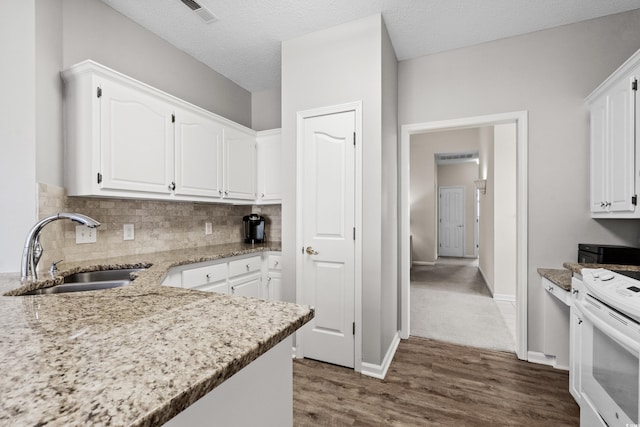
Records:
x=159, y=225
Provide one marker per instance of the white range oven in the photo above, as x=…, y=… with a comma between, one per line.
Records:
x=608, y=357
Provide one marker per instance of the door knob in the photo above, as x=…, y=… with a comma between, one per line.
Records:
x=311, y=251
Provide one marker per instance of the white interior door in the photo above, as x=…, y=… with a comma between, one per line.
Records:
x=328, y=215
x=451, y=221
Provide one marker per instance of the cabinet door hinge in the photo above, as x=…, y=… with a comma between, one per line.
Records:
x=354, y=138
x=354, y=328
x=173, y=118
x=634, y=200
x=99, y=178
x=99, y=92
x=634, y=84
x=354, y=233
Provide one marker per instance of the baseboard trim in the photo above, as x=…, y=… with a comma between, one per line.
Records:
x=380, y=371
x=486, y=281
x=423, y=263
x=504, y=297
x=544, y=359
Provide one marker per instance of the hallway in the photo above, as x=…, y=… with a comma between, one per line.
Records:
x=450, y=302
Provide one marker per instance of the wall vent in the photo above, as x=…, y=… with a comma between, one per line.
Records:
x=204, y=13
x=451, y=158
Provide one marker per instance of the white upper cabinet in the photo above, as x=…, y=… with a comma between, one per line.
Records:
x=136, y=139
x=614, y=162
x=198, y=143
x=126, y=139
x=270, y=166
x=239, y=165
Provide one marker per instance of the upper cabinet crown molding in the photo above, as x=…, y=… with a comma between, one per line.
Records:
x=628, y=68
x=127, y=139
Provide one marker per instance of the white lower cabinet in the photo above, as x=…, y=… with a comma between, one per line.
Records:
x=248, y=286
x=273, y=281
x=256, y=276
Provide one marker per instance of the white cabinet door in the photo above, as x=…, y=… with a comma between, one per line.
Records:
x=270, y=166
x=599, y=160
x=273, y=287
x=198, y=142
x=621, y=147
x=239, y=165
x=575, y=345
x=248, y=286
x=136, y=139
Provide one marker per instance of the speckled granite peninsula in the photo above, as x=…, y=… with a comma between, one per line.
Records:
x=130, y=356
x=560, y=277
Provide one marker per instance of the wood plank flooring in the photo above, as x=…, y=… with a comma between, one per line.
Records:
x=435, y=383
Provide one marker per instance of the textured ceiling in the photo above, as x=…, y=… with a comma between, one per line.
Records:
x=244, y=44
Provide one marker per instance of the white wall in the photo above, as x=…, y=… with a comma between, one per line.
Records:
x=93, y=30
x=423, y=184
x=504, y=211
x=330, y=67
x=548, y=73
x=464, y=175
x=17, y=128
x=266, y=109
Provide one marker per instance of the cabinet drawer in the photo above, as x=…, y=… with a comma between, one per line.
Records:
x=248, y=286
x=274, y=262
x=244, y=266
x=220, y=287
x=204, y=275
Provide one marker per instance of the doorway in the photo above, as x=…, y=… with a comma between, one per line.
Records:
x=520, y=120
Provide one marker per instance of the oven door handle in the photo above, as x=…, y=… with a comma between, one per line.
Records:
x=622, y=339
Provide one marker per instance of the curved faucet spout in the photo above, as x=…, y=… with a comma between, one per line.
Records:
x=33, y=251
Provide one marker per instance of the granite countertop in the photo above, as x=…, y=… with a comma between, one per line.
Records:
x=577, y=268
x=560, y=277
x=135, y=355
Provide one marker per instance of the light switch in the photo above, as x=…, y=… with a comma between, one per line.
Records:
x=208, y=229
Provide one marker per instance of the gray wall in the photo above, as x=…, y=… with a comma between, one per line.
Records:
x=93, y=30
x=266, y=112
x=311, y=79
x=17, y=129
x=547, y=73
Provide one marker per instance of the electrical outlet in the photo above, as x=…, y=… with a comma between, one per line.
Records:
x=208, y=229
x=128, y=232
x=85, y=234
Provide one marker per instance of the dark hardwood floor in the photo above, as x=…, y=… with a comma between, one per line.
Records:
x=435, y=383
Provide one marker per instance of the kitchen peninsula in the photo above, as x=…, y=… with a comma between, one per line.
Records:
x=137, y=355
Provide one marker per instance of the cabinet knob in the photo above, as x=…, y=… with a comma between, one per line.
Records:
x=275, y=264
x=208, y=276
x=220, y=192
x=248, y=267
x=233, y=289
x=172, y=186
x=579, y=321
x=262, y=196
x=574, y=291
x=268, y=280
x=550, y=288
x=226, y=193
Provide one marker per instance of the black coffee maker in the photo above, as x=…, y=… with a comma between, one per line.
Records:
x=253, y=228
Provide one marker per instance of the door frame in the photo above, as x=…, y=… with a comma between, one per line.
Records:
x=521, y=120
x=355, y=106
x=464, y=215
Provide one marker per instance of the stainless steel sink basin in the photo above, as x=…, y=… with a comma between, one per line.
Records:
x=90, y=281
x=101, y=276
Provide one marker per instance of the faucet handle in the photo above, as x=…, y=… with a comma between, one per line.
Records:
x=54, y=267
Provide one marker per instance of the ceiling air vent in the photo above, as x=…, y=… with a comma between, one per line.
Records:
x=204, y=13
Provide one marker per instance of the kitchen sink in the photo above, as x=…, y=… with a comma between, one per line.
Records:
x=101, y=275
x=90, y=281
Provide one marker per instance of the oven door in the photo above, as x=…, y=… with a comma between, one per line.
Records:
x=610, y=363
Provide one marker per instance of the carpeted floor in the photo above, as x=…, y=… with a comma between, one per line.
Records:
x=450, y=302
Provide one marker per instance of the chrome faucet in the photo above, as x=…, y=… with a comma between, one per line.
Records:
x=33, y=249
